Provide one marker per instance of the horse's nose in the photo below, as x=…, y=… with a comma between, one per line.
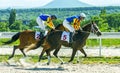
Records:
x=99, y=33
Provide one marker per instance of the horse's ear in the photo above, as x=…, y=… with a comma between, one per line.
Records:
x=92, y=22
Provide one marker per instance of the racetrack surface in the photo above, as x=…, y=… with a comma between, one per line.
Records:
x=64, y=51
x=66, y=68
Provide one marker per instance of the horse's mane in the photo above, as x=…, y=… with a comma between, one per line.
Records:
x=58, y=26
x=85, y=25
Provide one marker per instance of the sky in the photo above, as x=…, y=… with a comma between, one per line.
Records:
x=102, y=2
x=38, y=3
x=23, y=3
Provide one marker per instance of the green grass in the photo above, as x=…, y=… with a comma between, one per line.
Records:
x=90, y=42
x=105, y=42
x=6, y=39
x=88, y=60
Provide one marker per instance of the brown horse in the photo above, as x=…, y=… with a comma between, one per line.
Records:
x=27, y=40
x=53, y=41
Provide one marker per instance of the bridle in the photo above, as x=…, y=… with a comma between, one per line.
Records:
x=94, y=28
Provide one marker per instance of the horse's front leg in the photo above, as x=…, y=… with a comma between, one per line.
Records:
x=82, y=51
x=49, y=57
x=56, y=52
x=40, y=57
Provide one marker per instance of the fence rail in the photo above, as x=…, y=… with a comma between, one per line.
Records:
x=92, y=36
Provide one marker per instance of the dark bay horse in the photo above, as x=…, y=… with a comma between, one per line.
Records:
x=27, y=40
x=53, y=41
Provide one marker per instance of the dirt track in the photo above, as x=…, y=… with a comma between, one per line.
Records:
x=66, y=68
x=64, y=51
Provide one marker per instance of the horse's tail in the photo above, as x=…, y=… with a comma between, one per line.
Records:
x=13, y=39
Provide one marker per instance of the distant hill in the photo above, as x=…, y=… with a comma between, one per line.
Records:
x=66, y=4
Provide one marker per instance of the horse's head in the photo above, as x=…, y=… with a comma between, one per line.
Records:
x=95, y=29
x=92, y=27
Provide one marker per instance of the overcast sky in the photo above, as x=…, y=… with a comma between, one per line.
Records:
x=102, y=2
x=38, y=3
x=23, y=3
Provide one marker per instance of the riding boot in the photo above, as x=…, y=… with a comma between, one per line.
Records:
x=41, y=35
x=45, y=33
x=71, y=40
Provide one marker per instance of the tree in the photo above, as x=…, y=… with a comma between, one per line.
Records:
x=3, y=26
x=103, y=13
x=17, y=25
x=114, y=20
x=32, y=24
x=12, y=17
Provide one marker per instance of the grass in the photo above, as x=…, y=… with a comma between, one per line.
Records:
x=105, y=42
x=88, y=60
x=6, y=39
x=90, y=42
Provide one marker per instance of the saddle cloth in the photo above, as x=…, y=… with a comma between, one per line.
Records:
x=65, y=36
x=37, y=35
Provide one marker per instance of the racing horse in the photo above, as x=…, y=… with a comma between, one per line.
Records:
x=27, y=40
x=53, y=41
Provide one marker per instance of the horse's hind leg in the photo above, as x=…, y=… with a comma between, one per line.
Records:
x=55, y=54
x=73, y=54
x=14, y=48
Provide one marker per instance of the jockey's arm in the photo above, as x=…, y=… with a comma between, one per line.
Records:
x=76, y=24
x=50, y=23
x=75, y=20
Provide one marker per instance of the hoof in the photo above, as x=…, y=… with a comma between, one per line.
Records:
x=9, y=57
x=61, y=63
x=85, y=56
x=48, y=63
x=78, y=61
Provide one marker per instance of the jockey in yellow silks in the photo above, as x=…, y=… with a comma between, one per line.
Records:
x=73, y=23
x=44, y=20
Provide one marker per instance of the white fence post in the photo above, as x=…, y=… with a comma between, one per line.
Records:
x=100, y=46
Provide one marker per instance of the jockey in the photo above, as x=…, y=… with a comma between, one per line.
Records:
x=44, y=20
x=73, y=23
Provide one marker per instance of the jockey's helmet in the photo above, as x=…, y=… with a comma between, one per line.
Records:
x=82, y=15
x=54, y=16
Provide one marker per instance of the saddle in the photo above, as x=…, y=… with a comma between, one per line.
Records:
x=74, y=35
x=39, y=35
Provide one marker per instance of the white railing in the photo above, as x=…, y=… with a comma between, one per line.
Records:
x=105, y=35
x=7, y=34
x=112, y=35
x=92, y=36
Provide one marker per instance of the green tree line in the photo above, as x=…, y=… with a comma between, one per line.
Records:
x=107, y=18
